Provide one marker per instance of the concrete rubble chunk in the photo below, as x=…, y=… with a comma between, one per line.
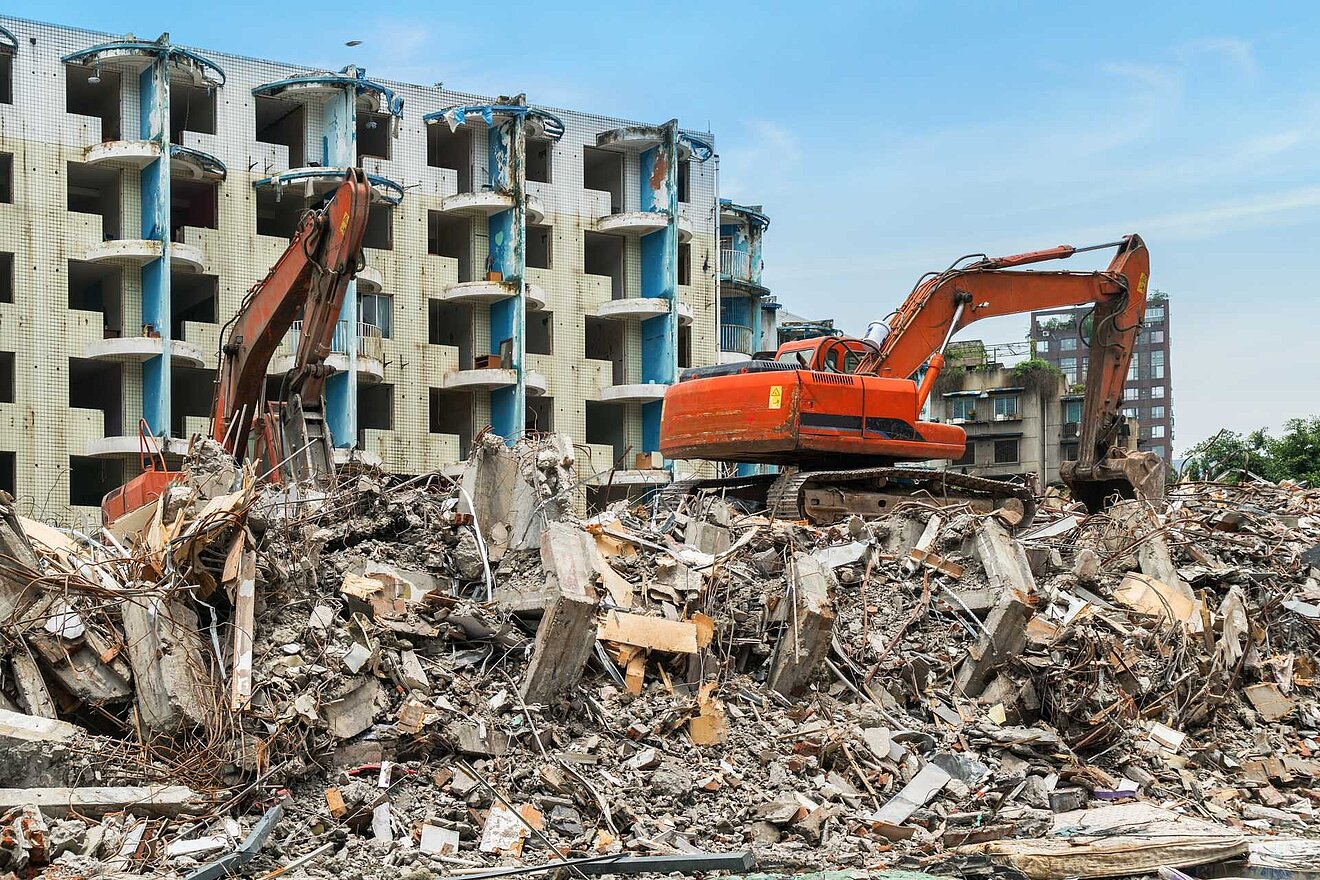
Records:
x=809, y=618
x=1006, y=566
x=170, y=671
x=162, y=800
x=1004, y=637
x=566, y=636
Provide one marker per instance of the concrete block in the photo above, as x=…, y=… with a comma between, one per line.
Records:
x=566, y=637
x=1005, y=637
x=171, y=673
x=1006, y=566
x=810, y=623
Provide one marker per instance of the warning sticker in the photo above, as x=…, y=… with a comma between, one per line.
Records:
x=776, y=396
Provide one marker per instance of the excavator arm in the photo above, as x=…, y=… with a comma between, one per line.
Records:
x=312, y=275
x=944, y=303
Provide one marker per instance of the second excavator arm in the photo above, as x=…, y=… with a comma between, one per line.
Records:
x=944, y=303
x=311, y=276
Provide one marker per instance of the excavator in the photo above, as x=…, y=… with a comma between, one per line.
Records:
x=839, y=414
x=309, y=279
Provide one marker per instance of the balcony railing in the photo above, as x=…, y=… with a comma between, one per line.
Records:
x=735, y=264
x=736, y=337
x=369, y=340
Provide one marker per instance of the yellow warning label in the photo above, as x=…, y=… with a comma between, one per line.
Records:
x=776, y=396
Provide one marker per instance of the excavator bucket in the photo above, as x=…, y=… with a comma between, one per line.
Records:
x=1122, y=474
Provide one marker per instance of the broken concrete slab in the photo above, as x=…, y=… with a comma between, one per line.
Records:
x=355, y=711
x=565, y=641
x=916, y=794
x=165, y=800
x=29, y=728
x=1005, y=636
x=171, y=674
x=809, y=626
x=1006, y=566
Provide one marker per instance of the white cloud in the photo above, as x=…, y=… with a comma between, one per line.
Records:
x=1236, y=52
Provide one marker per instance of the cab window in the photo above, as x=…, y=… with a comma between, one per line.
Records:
x=851, y=359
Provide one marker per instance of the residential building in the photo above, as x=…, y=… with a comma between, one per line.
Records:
x=1060, y=338
x=1014, y=417
x=526, y=267
x=747, y=311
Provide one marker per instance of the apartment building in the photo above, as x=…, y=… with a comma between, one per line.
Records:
x=1016, y=418
x=748, y=313
x=526, y=267
x=1060, y=338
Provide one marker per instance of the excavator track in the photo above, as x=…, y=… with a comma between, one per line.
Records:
x=788, y=498
x=786, y=495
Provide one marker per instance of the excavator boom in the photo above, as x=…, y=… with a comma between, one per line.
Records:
x=311, y=276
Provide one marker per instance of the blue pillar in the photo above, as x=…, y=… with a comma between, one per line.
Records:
x=154, y=180
x=659, y=175
x=339, y=150
x=507, y=238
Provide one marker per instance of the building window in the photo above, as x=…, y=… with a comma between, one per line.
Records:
x=1157, y=412
x=1154, y=313
x=1156, y=432
x=6, y=177
x=6, y=277
x=1157, y=364
x=1134, y=369
x=1043, y=346
x=540, y=246
x=969, y=455
x=6, y=87
x=1006, y=451
x=1068, y=343
x=685, y=263
x=1006, y=406
x=961, y=408
x=1130, y=394
x=1072, y=411
x=1156, y=337
x=378, y=311
x=1130, y=412
x=1069, y=368
x=1157, y=392
x=685, y=180
x=537, y=162
x=541, y=333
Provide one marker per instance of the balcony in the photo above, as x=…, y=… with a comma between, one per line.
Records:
x=640, y=393
x=735, y=265
x=315, y=182
x=492, y=378
x=736, y=338
x=138, y=252
x=370, y=352
x=369, y=280
x=641, y=223
x=639, y=308
x=136, y=349
x=489, y=202
x=486, y=292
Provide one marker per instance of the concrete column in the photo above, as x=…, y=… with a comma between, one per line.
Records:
x=339, y=150
x=659, y=191
x=508, y=256
x=154, y=191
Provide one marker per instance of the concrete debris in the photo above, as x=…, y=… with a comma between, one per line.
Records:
x=431, y=675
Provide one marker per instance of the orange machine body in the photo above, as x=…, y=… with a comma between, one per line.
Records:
x=778, y=412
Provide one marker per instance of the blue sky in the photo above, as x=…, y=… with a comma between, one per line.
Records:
x=886, y=139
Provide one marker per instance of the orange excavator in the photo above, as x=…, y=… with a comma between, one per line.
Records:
x=839, y=414
x=310, y=279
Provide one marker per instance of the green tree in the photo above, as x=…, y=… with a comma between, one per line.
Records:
x=1296, y=454
x=1228, y=454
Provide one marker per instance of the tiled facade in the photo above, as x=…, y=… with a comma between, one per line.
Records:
x=144, y=188
x=1148, y=393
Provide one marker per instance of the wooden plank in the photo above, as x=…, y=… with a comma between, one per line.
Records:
x=654, y=633
x=245, y=598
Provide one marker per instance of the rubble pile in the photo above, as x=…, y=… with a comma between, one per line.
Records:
x=455, y=673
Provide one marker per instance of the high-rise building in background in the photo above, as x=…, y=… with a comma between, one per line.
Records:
x=1060, y=337
x=145, y=187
